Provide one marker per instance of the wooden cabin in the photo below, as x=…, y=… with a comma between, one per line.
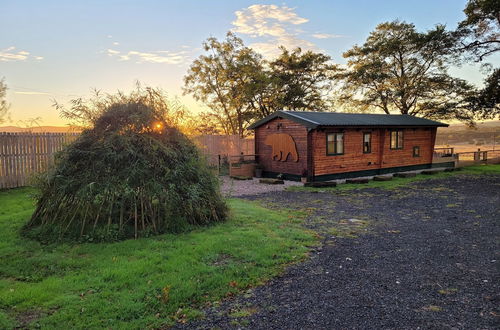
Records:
x=326, y=145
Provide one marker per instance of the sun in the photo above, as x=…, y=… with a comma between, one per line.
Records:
x=158, y=126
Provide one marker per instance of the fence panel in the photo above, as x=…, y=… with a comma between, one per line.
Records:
x=215, y=147
x=24, y=154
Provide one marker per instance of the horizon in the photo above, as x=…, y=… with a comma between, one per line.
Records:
x=61, y=51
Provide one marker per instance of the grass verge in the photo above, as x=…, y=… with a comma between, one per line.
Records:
x=144, y=283
x=398, y=182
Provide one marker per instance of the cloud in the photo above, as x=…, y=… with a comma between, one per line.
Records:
x=266, y=20
x=161, y=56
x=272, y=26
x=32, y=93
x=112, y=52
x=326, y=35
x=10, y=55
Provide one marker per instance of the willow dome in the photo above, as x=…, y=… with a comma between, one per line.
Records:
x=129, y=175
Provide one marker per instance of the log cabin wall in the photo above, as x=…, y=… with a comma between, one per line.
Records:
x=353, y=159
x=412, y=137
x=281, y=126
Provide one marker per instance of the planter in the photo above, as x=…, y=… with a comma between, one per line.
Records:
x=242, y=169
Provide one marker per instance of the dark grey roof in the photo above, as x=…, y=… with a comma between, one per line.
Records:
x=312, y=119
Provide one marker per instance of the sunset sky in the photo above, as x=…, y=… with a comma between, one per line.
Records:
x=62, y=49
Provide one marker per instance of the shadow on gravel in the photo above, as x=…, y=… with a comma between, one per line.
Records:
x=423, y=255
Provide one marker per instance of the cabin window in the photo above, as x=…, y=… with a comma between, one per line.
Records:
x=416, y=151
x=397, y=139
x=335, y=143
x=367, y=142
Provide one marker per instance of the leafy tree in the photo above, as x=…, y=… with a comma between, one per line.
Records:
x=220, y=79
x=4, y=106
x=487, y=101
x=479, y=37
x=401, y=70
x=303, y=80
x=479, y=33
x=240, y=86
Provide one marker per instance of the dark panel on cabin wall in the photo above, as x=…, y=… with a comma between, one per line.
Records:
x=354, y=159
x=299, y=134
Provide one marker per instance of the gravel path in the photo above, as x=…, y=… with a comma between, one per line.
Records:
x=421, y=256
x=238, y=188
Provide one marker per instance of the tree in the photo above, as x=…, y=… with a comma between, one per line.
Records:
x=479, y=33
x=487, y=101
x=239, y=86
x=221, y=79
x=4, y=106
x=303, y=80
x=400, y=70
x=479, y=37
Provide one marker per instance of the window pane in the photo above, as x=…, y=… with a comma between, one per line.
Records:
x=393, y=139
x=340, y=143
x=330, y=147
x=400, y=139
x=340, y=147
x=367, y=142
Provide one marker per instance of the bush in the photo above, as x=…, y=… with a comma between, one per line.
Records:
x=130, y=174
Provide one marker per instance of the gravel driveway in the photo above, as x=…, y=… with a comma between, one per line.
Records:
x=238, y=188
x=421, y=256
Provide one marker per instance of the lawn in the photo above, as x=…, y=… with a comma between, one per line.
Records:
x=398, y=182
x=144, y=283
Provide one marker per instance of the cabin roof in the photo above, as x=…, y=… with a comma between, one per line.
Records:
x=313, y=119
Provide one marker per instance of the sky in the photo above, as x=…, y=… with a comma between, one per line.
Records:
x=61, y=50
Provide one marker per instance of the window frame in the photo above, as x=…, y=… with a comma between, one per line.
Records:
x=398, y=133
x=335, y=134
x=416, y=154
x=369, y=143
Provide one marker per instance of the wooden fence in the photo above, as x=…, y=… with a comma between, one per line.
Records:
x=221, y=147
x=24, y=154
x=444, y=155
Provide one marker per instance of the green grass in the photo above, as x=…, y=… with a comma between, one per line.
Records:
x=398, y=182
x=144, y=283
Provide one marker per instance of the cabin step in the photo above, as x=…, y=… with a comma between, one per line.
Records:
x=240, y=177
x=357, y=181
x=271, y=181
x=405, y=175
x=382, y=178
x=431, y=172
x=320, y=184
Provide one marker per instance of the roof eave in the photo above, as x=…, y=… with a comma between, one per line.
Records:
x=282, y=114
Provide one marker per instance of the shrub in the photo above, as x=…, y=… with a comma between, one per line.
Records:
x=129, y=174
